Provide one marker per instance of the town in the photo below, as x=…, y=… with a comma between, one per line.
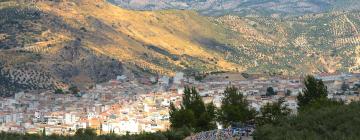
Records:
x=128, y=106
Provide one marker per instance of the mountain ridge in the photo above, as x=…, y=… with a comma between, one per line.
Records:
x=274, y=8
x=49, y=44
x=85, y=41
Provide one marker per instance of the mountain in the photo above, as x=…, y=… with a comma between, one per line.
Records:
x=325, y=42
x=54, y=44
x=50, y=44
x=244, y=7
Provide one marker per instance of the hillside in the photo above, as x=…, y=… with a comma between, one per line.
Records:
x=275, y=8
x=84, y=41
x=54, y=44
x=326, y=42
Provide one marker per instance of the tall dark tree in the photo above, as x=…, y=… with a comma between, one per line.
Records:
x=193, y=101
x=181, y=117
x=345, y=87
x=74, y=90
x=193, y=113
x=234, y=108
x=272, y=113
x=270, y=91
x=330, y=120
x=314, y=90
x=207, y=120
x=43, y=132
x=288, y=93
x=59, y=91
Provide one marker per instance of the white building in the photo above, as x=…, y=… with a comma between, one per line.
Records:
x=179, y=77
x=164, y=80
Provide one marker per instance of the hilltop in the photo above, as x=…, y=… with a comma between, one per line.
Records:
x=275, y=8
x=54, y=44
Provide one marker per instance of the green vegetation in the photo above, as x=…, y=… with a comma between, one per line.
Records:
x=193, y=113
x=59, y=91
x=74, y=90
x=270, y=91
x=272, y=113
x=334, y=122
x=89, y=134
x=318, y=117
x=51, y=39
x=245, y=7
x=234, y=108
x=314, y=91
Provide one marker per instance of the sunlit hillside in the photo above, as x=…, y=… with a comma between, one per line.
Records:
x=325, y=42
x=51, y=44
x=83, y=41
x=273, y=8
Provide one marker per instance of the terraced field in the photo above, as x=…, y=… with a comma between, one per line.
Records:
x=273, y=8
x=84, y=42
x=325, y=42
x=49, y=44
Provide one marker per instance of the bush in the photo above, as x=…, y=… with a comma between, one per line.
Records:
x=59, y=91
x=332, y=121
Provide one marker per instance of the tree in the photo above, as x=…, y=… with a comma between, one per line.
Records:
x=79, y=132
x=85, y=134
x=181, y=117
x=59, y=91
x=43, y=132
x=331, y=121
x=193, y=113
x=270, y=91
x=314, y=90
x=207, y=120
x=74, y=90
x=288, y=93
x=193, y=101
x=89, y=132
x=234, y=108
x=272, y=113
x=344, y=87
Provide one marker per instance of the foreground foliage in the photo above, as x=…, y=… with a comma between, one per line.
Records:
x=89, y=134
x=272, y=113
x=193, y=113
x=314, y=90
x=333, y=122
x=318, y=118
x=234, y=108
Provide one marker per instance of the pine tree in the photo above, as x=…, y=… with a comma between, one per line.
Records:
x=234, y=108
x=270, y=91
x=193, y=113
x=44, y=132
x=314, y=90
x=272, y=113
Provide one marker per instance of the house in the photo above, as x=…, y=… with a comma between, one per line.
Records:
x=54, y=118
x=178, y=78
x=70, y=118
x=255, y=106
x=330, y=76
x=121, y=78
x=127, y=125
x=291, y=103
x=164, y=80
